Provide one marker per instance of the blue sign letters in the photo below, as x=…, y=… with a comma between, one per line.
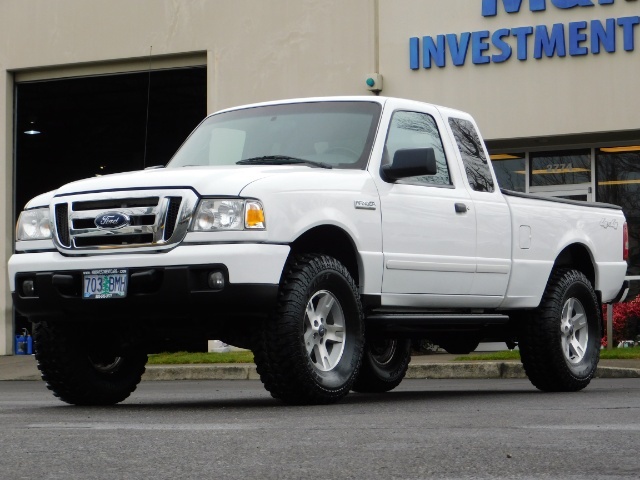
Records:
x=575, y=38
x=490, y=7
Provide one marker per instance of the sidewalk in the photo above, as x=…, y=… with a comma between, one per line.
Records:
x=436, y=366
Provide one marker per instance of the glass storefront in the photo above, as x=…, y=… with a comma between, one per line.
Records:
x=618, y=182
x=568, y=167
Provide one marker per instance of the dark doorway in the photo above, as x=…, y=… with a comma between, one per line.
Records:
x=98, y=125
x=76, y=128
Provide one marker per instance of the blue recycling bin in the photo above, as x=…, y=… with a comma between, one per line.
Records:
x=24, y=343
x=21, y=345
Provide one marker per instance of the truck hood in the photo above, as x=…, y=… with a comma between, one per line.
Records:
x=228, y=180
x=225, y=181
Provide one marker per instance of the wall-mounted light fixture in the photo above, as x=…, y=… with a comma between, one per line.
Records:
x=373, y=82
x=32, y=130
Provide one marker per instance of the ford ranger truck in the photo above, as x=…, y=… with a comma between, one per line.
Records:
x=325, y=235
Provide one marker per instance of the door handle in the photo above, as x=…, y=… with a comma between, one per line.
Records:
x=461, y=208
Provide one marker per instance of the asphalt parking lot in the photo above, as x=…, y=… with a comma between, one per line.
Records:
x=501, y=428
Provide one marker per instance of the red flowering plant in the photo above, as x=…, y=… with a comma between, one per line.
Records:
x=626, y=320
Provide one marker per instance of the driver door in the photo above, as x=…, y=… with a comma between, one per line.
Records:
x=428, y=225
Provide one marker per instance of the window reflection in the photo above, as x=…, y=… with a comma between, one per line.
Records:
x=567, y=167
x=510, y=170
x=337, y=133
x=472, y=153
x=417, y=130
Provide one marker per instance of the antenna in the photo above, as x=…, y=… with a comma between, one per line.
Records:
x=146, y=125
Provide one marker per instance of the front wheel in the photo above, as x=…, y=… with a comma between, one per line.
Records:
x=384, y=365
x=560, y=342
x=309, y=352
x=86, y=371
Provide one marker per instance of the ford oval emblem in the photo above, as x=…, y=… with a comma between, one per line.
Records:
x=111, y=220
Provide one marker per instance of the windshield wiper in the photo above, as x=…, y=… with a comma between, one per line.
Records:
x=281, y=160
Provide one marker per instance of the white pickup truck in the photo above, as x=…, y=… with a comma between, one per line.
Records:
x=324, y=234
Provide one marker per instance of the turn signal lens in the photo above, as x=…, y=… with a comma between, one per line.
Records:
x=254, y=216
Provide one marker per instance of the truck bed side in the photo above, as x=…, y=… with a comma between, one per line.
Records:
x=552, y=231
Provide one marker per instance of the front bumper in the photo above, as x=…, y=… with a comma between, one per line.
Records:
x=166, y=286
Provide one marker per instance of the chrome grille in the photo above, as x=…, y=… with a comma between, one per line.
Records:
x=115, y=203
x=172, y=215
x=62, y=224
x=154, y=220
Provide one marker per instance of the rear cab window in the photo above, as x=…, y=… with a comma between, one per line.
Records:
x=474, y=159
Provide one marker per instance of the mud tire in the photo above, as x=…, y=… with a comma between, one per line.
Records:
x=81, y=375
x=384, y=365
x=287, y=358
x=560, y=341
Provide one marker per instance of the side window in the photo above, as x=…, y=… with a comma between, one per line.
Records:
x=473, y=157
x=417, y=130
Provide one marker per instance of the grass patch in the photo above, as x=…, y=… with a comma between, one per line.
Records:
x=615, y=354
x=181, y=358
x=621, y=353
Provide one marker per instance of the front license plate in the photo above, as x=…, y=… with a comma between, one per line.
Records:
x=109, y=283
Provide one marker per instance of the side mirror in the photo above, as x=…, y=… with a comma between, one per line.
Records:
x=411, y=162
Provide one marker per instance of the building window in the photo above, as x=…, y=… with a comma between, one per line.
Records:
x=472, y=153
x=510, y=170
x=568, y=167
x=618, y=182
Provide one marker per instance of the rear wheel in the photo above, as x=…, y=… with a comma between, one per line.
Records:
x=86, y=371
x=384, y=365
x=560, y=342
x=310, y=350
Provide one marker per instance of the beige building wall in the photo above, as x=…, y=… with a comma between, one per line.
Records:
x=532, y=98
x=6, y=212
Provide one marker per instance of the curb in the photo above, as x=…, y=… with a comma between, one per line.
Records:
x=25, y=378
x=434, y=371
x=240, y=371
x=467, y=370
x=615, y=372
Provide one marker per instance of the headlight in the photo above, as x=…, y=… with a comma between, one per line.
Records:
x=34, y=225
x=228, y=214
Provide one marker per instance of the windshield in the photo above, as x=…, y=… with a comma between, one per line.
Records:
x=327, y=134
